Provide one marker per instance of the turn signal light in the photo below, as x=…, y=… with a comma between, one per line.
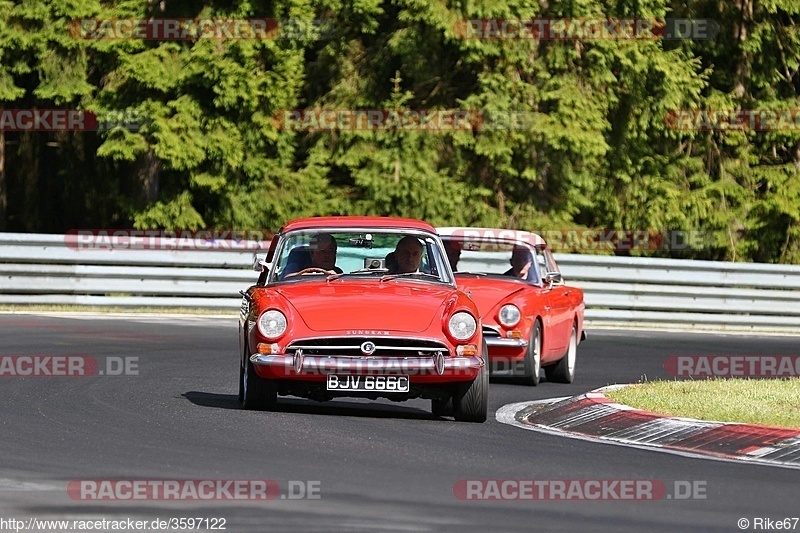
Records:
x=466, y=350
x=515, y=334
x=267, y=349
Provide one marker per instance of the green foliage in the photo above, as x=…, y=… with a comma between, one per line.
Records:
x=594, y=146
x=177, y=213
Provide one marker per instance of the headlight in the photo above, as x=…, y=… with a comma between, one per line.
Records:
x=462, y=326
x=509, y=315
x=272, y=324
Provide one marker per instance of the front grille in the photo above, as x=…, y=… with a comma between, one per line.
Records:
x=490, y=332
x=384, y=347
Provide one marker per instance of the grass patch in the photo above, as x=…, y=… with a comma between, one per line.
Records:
x=115, y=309
x=771, y=402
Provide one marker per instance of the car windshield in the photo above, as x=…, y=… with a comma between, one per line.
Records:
x=497, y=258
x=381, y=254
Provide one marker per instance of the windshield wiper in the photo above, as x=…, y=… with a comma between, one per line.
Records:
x=370, y=270
x=359, y=271
x=393, y=276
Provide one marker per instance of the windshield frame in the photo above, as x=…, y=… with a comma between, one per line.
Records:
x=539, y=275
x=439, y=259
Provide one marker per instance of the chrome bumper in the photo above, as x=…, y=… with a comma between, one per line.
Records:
x=319, y=364
x=506, y=343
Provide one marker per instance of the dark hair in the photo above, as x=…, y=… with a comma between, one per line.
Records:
x=322, y=238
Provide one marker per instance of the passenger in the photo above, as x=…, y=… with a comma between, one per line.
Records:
x=407, y=255
x=521, y=263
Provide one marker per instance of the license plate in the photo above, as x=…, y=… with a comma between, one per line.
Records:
x=368, y=383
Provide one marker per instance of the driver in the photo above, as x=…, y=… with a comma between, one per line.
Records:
x=321, y=255
x=521, y=263
x=453, y=249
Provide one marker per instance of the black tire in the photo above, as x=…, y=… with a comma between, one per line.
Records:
x=442, y=407
x=242, y=358
x=564, y=370
x=471, y=401
x=533, y=357
x=240, y=397
x=259, y=394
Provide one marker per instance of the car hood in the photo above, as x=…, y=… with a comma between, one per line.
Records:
x=391, y=306
x=488, y=292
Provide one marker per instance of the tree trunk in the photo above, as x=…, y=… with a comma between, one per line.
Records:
x=741, y=31
x=149, y=171
x=796, y=157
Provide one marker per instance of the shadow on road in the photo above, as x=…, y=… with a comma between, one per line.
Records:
x=373, y=409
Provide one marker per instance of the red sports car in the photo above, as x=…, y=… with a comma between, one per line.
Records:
x=531, y=318
x=365, y=307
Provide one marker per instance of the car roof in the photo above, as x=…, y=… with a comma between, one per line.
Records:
x=491, y=235
x=357, y=222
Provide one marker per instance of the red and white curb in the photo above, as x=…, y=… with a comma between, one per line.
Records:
x=592, y=416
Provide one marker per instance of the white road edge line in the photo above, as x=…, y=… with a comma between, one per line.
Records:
x=507, y=415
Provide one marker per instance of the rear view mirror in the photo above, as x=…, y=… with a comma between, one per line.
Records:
x=364, y=241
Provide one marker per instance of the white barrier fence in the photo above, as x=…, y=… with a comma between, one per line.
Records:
x=52, y=270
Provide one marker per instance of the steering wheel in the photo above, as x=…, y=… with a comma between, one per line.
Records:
x=313, y=270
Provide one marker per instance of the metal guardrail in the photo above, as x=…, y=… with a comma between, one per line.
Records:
x=679, y=292
x=621, y=291
x=56, y=269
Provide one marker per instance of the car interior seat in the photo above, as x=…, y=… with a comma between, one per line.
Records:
x=299, y=258
x=391, y=263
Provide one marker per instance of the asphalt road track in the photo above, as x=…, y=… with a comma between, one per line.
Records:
x=381, y=466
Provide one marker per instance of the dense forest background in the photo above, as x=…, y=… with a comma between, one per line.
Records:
x=209, y=154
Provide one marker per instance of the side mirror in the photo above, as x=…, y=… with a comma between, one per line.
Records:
x=259, y=262
x=552, y=277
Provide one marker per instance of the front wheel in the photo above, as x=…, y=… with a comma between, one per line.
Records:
x=533, y=357
x=564, y=370
x=259, y=394
x=242, y=360
x=471, y=401
x=241, y=383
